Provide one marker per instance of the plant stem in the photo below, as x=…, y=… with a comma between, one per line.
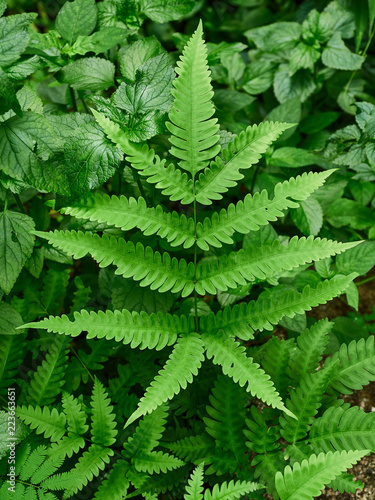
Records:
x=73, y=97
x=254, y=178
x=365, y=281
x=363, y=55
x=84, y=105
x=139, y=183
x=19, y=203
x=195, y=267
x=82, y=363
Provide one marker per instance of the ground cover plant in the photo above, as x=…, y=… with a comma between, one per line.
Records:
x=174, y=208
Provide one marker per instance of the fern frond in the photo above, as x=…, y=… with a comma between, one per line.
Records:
x=155, y=462
x=242, y=320
x=89, y=466
x=55, y=284
x=50, y=423
x=194, y=133
x=274, y=357
x=46, y=469
x=227, y=412
x=306, y=480
x=151, y=331
x=148, y=433
x=231, y=356
x=266, y=466
x=194, y=488
x=193, y=448
x=183, y=363
x=116, y=484
x=75, y=415
x=304, y=402
x=12, y=353
x=47, y=380
x=244, y=151
x=262, y=437
x=355, y=366
x=33, y=462
x=257, y=210
x=231, y=490
x=67, y=446
x=103, y=428
x=345, y=484
x=128, y=213
x=238, y=268
x=311, y=344
x=170, y=180
x=343, y=429
x=159, y=271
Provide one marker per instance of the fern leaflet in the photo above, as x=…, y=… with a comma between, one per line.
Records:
x=245, y=150
x=154, y=331
x=127, y=213
x=256, y=210
x=231, y=356
x=306, y=480
x=194, y=133
x=183, y=363
x=160, y=272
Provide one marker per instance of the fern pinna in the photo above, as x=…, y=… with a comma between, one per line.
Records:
x=226, y=437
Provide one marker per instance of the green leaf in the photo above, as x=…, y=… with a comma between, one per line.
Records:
x=275, y=37
x=151, y=89
x=25, y=146
x=352, y=296
x=301, y=84
x=231, y=356
x=194, y=488
x=359, y=259
x=231, y=490
x=133, y=56
x=194, y=134
x=162, y=11
x=183, y=363
x=90, y=159
x=76, y=18
x=345, y=212
x=307, y=480
x=127, y=213
x=258, y=77
x=308, y=217
x=9, y=319
x=159, y=271
x=90, y=73
x=337, y=56
x=303, y=56
x=8, y=98
x=315, y=122
x=292, y=158
x=100, y=41
x=25, y=67
x=343, y=429
x=48, y=422
x=3, y=6
x=154, y=331
x=156, y=462
x=16, y=244
x=103, y=429
x=244, y=151
x=14, y=37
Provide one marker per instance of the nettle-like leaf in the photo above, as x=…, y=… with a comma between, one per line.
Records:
x=16, y=244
